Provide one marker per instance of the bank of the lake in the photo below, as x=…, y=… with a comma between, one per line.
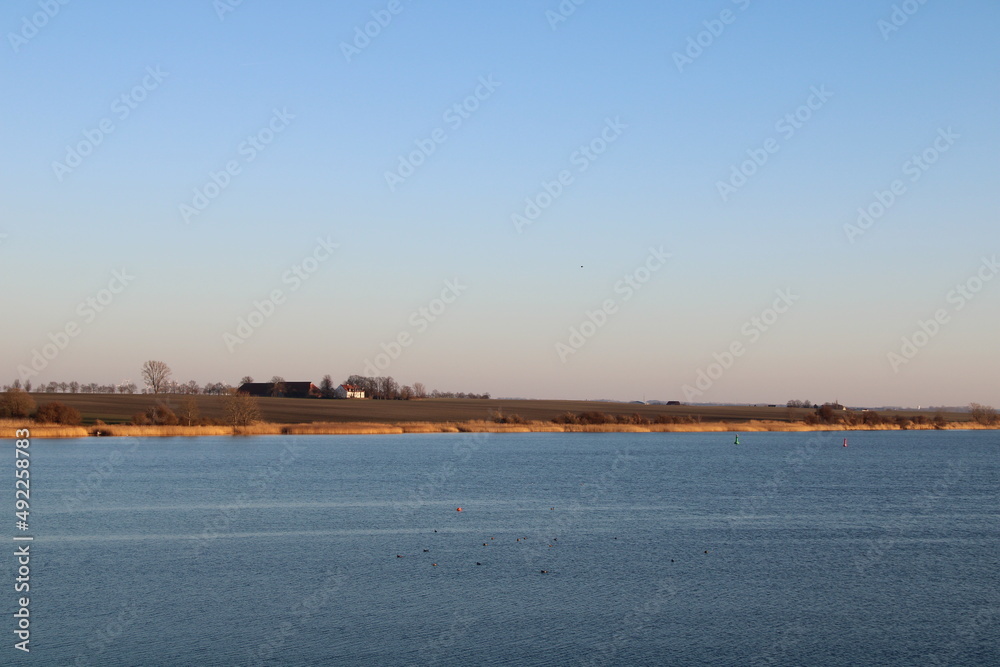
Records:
x=8, y=428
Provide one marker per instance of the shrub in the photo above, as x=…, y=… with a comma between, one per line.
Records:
x=58, y=413
x=566, y=418
x=501, y=418
x=158, y=415
x=871, y=417
x=594, y=417
x=15, y=403
x=161, y=415
x=825, y=414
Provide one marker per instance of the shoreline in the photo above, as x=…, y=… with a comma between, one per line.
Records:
x=56, y=431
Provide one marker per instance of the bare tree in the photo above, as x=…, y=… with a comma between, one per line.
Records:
x=419, y=390
x=326, y=386
x=826, y=413
x=74, y=387
x=983, y=414
x=241, y=409
x=367, y=384
x=246, y=379
x=386, y=388
x=189, y=411
x=277, y=386
x=155, y=374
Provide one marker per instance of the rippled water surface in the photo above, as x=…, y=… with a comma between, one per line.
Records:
x=657, y=549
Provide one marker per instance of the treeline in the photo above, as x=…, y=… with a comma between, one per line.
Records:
x=831, y=413
x=238, y=410
x=387, y=389
x=129, y=387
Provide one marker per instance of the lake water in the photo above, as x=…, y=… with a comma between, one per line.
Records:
x=660, y=549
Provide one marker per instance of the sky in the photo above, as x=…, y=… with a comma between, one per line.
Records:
x=723, y=201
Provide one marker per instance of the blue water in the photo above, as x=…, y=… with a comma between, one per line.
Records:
x=277, y=550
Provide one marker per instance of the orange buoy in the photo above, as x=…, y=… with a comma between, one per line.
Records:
x=458, y=509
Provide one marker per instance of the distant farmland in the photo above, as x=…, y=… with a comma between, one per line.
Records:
x=119, y=408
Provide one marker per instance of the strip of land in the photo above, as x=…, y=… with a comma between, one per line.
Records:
x=112, y=414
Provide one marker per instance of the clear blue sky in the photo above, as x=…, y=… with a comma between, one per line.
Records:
x=197, y=86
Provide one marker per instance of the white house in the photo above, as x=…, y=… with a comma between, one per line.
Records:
x=348, y=391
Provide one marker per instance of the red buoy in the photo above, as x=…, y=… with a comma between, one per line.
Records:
x=458, y=509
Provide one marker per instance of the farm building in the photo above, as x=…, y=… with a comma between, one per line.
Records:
x=348, y=391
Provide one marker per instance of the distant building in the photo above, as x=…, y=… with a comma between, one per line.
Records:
x=287, y=390
x=348, y=391
x=673, y=402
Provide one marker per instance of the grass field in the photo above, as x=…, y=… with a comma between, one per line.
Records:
x=119, y=409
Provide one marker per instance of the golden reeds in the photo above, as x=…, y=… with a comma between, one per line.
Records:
x=346, y=428
x=8, y=427
x=44, y=431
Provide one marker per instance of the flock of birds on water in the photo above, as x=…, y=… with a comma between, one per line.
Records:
x=519, y=539
x=555, y=539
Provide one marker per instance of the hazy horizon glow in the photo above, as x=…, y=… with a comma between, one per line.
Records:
x=712, y=202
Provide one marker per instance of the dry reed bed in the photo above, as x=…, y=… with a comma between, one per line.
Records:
x=45, y=431
x=346, y=428
x=484, y=426
x=130, y=430
x=428, y=427
x=9, y=427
